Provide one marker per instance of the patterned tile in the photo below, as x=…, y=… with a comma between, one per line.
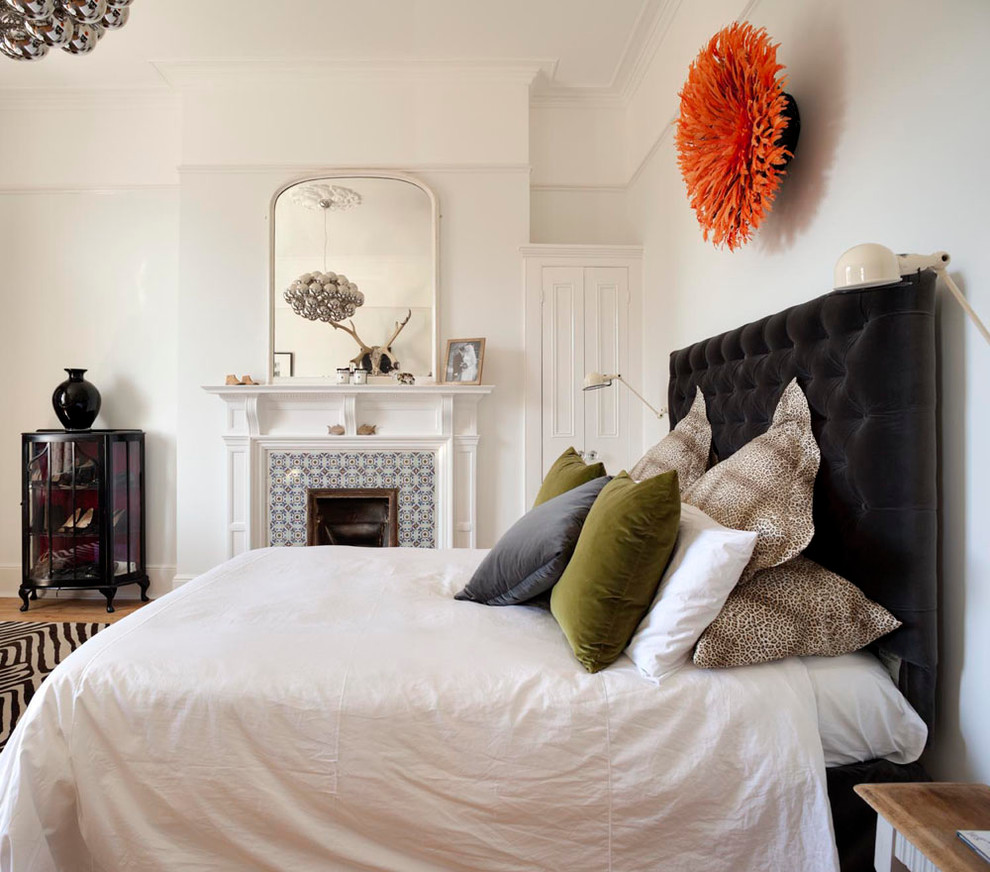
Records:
x=291, y=474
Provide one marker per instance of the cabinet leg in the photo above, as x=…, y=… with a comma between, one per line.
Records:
x=34, y=594
x=144, y=585
x=24, y=594
x=109, y=593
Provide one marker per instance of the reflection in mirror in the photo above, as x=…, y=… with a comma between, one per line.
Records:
x=353, y=278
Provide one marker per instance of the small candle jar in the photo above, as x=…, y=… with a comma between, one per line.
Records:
x=343, y=375
x=359, y=377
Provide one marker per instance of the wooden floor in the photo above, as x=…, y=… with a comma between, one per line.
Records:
x=65, y=608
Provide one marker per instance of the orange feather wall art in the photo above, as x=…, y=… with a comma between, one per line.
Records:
x=736, y=132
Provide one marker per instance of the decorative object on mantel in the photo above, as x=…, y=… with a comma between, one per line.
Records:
x=359, y=377
x=283, y=363
x=871, y=265
x=29, y=28
x=367, y=430
x=343, y=375
x=234, y=380
x=336, y=430
x=76, y=401
x=463, y=361
x=736, y=132
x=375, y=359
x=405, y=378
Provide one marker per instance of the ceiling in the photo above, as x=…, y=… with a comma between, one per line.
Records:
x=584, y=41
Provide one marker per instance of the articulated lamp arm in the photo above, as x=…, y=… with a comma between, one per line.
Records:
x=595, y=380
x=658, y=412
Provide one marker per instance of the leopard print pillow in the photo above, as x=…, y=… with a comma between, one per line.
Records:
x=794, y=610
x=685, y=448
x=766, y=486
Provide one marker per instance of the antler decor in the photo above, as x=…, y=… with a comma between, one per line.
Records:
x=376, y=359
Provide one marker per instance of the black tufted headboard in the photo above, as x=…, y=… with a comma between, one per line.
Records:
x=866, y=361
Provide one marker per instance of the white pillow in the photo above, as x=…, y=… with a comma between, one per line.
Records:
x=706, y=564
x=861, y=713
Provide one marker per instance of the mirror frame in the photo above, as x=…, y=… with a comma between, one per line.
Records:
x=435, y=245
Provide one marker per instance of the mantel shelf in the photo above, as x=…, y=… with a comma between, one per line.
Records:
x=342, y=390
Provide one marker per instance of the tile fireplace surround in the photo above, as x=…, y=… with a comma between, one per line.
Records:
x=278, y=446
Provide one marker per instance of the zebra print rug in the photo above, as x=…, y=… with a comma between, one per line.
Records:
x=28, y=652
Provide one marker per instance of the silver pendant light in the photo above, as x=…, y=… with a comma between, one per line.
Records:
x=29, y=28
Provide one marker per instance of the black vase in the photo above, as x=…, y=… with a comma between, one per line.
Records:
x=76, y=401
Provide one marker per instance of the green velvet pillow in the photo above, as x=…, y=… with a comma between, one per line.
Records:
x=568, y=472
x=612, y=577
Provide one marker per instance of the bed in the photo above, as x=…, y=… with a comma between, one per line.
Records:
x=381, y=724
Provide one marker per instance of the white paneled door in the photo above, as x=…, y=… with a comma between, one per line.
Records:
x=585, y=325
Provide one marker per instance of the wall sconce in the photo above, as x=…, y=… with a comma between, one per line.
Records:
x=871, y=265
x=594, y=381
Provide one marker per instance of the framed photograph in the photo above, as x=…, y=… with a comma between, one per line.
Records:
x=463, y=361
x=282, y=364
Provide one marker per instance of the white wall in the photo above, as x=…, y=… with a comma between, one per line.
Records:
x=89, y=241
x=892, y=145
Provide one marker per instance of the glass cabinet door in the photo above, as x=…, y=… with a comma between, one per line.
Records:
x=64, y=513
x=126, y=507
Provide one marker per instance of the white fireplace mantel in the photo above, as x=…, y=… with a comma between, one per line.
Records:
x=439, y=418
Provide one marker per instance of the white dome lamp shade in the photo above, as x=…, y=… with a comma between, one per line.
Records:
x=871, y=265
x=594, y=381
x=866, y=266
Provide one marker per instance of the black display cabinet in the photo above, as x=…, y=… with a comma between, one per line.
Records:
x=82, y=512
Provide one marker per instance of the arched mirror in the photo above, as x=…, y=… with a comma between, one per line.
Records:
x=354, y=278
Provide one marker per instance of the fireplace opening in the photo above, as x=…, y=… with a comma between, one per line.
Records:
x=353, y=516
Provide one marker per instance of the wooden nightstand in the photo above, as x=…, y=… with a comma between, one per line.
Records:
x=917, y=823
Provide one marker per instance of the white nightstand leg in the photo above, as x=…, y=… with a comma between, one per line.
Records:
x=883, y=856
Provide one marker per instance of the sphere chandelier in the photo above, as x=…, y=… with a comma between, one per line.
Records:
x=324, y=296
x=29, y=28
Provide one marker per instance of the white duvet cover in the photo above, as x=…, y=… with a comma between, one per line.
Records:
x=334, y=708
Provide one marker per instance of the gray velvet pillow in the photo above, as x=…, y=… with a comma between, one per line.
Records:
x=529, y=559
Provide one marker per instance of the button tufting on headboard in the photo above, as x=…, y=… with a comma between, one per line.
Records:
x=866, y=361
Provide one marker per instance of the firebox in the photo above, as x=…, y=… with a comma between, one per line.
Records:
x=353, y=516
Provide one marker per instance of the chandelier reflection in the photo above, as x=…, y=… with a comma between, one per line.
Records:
x=29, y=28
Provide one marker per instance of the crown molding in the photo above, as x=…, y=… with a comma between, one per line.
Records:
x=301, y=169
x=22, y=190
x=90, y=98
x=658, y=27
x=185, y=75
x=645, y=39
x=579, y=188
